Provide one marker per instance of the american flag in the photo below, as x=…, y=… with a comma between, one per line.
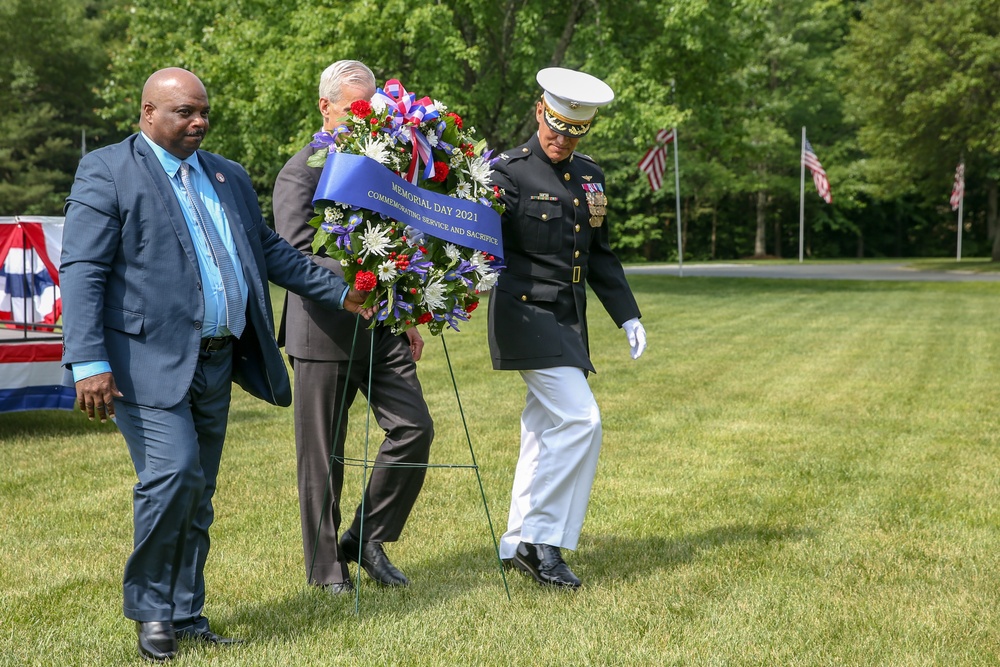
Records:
x=958, y=190
x=810, y=160
x=655, y=159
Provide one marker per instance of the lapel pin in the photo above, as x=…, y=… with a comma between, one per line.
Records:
x=219, y=177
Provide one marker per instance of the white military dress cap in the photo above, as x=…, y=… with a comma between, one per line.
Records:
x=571, y=99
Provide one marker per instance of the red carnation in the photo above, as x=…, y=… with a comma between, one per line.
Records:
x=472, y=306
x=361, y=108
x=440, y=172
x=457, y=118
x=425, y=318
x=365, y=281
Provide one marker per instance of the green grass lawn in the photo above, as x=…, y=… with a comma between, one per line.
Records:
x=795, y=473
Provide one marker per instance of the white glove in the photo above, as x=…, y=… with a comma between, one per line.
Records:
x=636, y=336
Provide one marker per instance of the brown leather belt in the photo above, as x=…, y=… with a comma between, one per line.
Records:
x=217, y=343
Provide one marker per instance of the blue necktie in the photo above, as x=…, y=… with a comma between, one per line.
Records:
x=235, y=317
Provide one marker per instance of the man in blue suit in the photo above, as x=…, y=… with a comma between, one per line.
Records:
x=165, y=265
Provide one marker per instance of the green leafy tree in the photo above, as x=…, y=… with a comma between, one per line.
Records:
x=478, y=56
x=48, y=73
x=924, y=84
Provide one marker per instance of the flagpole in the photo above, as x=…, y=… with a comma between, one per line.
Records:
x=677, y=194
x=961, y=201
x=802, y=192
x=677, y=188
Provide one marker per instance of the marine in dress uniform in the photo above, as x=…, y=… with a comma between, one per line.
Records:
x=555, y=239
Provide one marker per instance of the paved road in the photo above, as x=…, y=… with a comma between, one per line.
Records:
x=824, y=271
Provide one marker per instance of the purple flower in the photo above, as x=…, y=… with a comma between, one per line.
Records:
x=442, y=144
x=457, y=314
x=419, y=265
x=342, y=233
x=326, y=139
x=454, y=275
x=398, y=307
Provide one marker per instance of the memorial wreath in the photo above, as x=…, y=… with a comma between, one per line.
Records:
x=406, y=205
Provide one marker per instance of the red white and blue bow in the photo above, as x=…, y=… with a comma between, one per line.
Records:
x=407, y=114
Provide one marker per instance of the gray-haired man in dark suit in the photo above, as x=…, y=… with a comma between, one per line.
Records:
x=319, y=344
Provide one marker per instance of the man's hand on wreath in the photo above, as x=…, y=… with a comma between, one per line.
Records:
x=355, y=303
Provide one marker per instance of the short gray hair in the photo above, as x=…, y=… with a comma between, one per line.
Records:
x=344, y=73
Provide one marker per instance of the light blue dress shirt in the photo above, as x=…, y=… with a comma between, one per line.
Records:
x=214, y=294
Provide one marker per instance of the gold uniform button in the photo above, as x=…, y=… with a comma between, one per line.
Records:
x=524, y=297
x=524, y=150
x=576, y=254
x=545, y=216
x=577, y=228
x=566, y=176
x=576, y=202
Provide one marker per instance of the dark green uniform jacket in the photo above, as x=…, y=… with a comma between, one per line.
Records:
x=555, y=238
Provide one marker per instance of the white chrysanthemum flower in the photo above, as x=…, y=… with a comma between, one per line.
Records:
x=463, y=191
x=375, y=241
x=378, y=105
x=452, y=251
x=440, y=106
x=487, y=281
x=479, y=170
x=387, y=271
x=344, y=263
x=332, y=215
x=433, y=296
x=377, y=148
x=485, y=275
x=432, y=138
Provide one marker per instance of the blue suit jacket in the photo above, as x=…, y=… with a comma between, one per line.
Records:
x=131, y=287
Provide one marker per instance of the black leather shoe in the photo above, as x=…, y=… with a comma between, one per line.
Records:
x=340, y=588
x=373, y=560
x=545, y=564
x=157, y=640
x=208, y=637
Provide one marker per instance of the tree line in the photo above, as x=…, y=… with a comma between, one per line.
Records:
x=893, y=93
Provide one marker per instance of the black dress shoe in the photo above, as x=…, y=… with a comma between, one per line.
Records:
x=339, y=588
x=157, y=640
x=198, y=630
x=373, y=560
x=545, y=564
x=208, y=637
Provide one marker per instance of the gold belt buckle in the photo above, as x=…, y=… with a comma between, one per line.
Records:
x=576, y=274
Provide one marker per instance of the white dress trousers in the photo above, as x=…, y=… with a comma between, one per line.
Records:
x=560, y=444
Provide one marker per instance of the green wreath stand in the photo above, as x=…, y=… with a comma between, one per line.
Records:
x=368, y=466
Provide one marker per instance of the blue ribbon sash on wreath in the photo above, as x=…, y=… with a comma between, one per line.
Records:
x=357, y=180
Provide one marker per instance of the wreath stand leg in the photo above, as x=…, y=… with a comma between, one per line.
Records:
x=366, y=464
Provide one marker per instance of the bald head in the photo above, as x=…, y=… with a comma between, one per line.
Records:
x=175, y=111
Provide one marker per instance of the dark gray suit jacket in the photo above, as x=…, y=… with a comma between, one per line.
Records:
x=131, y=286
x=307, y=330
